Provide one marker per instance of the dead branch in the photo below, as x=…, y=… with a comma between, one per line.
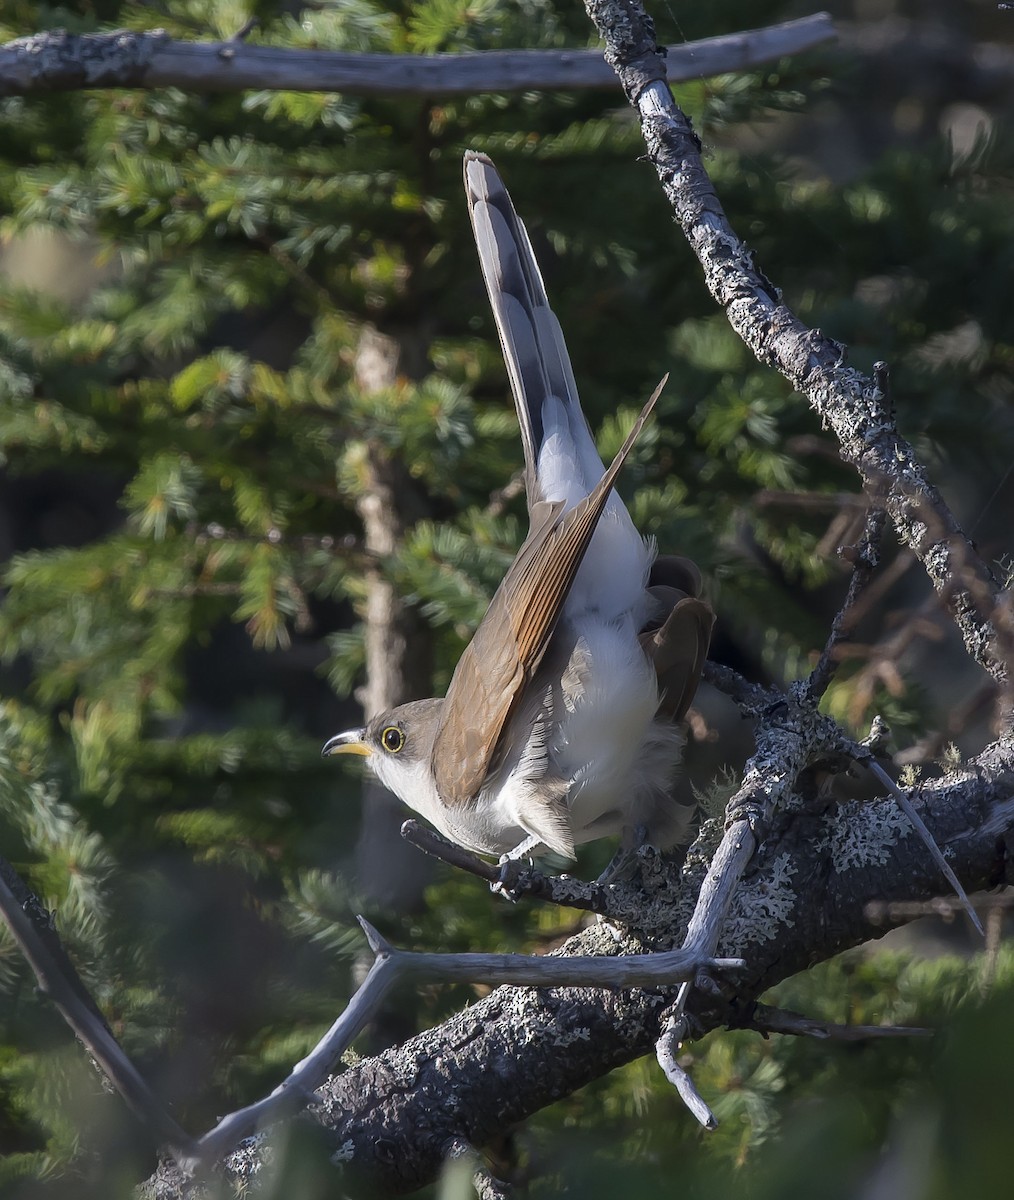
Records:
x=810, y=501
x=60, y=62
x=38, y=942
x=391, y=967
x=666, y=1049
x=487, y=1186
x=850, y=403
x=864, y=558
x=564, y=890
x=947, y=907
x=392, y=1115
x=751, y=697
x=779, y=1020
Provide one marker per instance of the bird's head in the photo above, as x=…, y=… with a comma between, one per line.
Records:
x=397, y=745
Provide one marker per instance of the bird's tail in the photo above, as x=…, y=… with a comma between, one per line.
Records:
x=555, y=435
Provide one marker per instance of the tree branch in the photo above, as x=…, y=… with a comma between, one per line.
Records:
x=847, y=401
x=864, y=558
x=487, y=1186
x=392, y=1116
x=392, y=966
x=779, y=1020
x=58, y=980
x=62, y=62
x=564, y=890
x=37, y=940
x=666, y=1049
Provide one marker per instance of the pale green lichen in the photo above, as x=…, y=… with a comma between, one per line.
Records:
x=253, y=1155
x=865, y=842
x=763, y=905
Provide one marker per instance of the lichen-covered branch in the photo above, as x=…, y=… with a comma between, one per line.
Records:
x=864, y=558
x=564, y=890
x=520, y=1049
x=850, y=403
x=392, y=966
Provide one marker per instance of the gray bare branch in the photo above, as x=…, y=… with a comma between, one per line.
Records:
x=59, y=62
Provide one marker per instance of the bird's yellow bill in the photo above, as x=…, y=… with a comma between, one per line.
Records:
x=347, y=743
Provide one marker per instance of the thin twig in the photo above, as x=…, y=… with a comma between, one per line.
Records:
x=864, y=558
x=437, y=846
x=289, y=265
x=751, y=697
x=501, y=497
x=564, y=890
x=841, y=531
x=244, y=31
x=666, y=1049
x=887, y=577
x=810, y=501
x=486, y=1184
x=947, y=907
x=780, y=1020
x=991, y=955
x=862, y=754
x=880, y=667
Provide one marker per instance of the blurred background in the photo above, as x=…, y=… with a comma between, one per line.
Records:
x=257, y=463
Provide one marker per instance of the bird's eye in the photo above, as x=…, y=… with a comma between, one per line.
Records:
x=392, y=739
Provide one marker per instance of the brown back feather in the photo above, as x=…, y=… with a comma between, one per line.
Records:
x=512, y=637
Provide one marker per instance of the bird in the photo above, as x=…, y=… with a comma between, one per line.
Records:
x=561, y=723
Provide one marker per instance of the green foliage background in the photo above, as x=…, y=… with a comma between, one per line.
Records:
x=178, y=642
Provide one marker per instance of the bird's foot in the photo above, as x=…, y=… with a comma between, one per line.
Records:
x=622, y=863
x=510, y=885
x=514, y=866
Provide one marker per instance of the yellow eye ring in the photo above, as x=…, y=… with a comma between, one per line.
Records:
x=392, y=739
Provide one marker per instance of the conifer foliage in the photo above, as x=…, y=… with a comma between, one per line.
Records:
x=186, y=438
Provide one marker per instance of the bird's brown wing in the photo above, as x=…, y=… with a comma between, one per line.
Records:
x=676, y=640
x=512, y=637
x=677, y=650
x=675, y=571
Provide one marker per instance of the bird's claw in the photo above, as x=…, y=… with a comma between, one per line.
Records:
x=508, y=885
x=622, y=863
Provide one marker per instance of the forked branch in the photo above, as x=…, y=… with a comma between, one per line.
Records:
x=850, y=403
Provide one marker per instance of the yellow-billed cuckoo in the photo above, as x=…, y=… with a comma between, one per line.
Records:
x=560, y=722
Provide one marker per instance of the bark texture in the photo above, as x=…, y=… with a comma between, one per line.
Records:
x=58, y=61
x=390, y=1120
